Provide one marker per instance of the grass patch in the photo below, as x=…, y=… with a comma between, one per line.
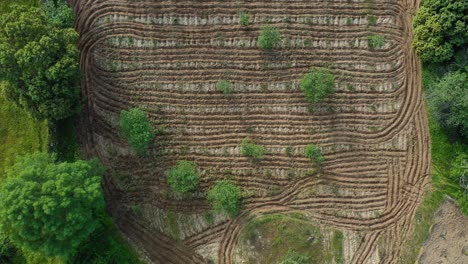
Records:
x=274, y=236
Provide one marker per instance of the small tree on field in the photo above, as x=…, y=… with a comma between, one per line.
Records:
x=252, y=150
x=51, y=208
x=269, y=37
x=375, y=41
x=317, y=84
x=224, y=197
x=244, y=19
x=136, y=128
x=224, y=87
x=314, y=153
x=184, y=177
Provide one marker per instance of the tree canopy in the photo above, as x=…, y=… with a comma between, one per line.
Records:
x=224, y=197
x=269, y=37
x=39, y=59
x=314, y=153
x=317, y=84
x=48, y=207
x=136, y=128
x=440, y=28
x=184, y=177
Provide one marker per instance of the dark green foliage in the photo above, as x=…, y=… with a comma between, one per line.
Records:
x=294, y=257
x=317, y=84
x=7, y=250
x=440, y=28
x=269, y=37
x=371, y=20
x=314, y=153
x=58, y=13
x=50, y=208
x=184, y=177
x=375, y=41
x=136, y=128
x=449, y=102
x=224, y=87
x=252, y=150
x=39, y=59
x=224, y=197
x=244, y=19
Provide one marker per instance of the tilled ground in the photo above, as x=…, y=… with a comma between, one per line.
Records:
x=167, y=57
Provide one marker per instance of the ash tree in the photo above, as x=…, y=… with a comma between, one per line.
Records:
x=224, y=197
x=136, y=128
x=39, y=60
x=50, y=208
x=317, y=84
x=184, y=177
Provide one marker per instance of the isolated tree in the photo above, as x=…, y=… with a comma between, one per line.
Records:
x=224, y=197
x=136, y=128
x=39, y=59
x=269, y=37
x=440, y=28
x=184, y=177
x=314, y=153
x=244, y=19
x=449, y=102
x=224, y=87
x=50, y=208
x=249, y=149
x=317, y=84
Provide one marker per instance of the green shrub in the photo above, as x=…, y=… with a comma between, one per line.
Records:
x=317, y=84
x=50, y=208
x=372, y=20
x=375, y=41
x=244, y=19
x=136, y=128
x=224, y=197
x=293, y=257
x=314, y=153
x=269, y=37
x=252, y=150
x=224, y=87
x=184, y=177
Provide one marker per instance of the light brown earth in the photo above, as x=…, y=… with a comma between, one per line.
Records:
x=448, y=243
x=167, y=56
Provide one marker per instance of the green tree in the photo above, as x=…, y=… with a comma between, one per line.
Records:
x=50, y=208
x=39, y=59
x=249, y=149
x=314, y=153
x=244, y=19
x=293, y=257
x=440, y=28
x=375, y=41
x=224, y=197
x=449, y=102
x=184, y=177
x=269, y=37
x=224, y=87
x=136, y=128
x=317, y=84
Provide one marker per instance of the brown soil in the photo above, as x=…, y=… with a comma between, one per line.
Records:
x=167, y=56
x=448, y=242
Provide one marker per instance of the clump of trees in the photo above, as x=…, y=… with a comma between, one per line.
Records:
x=224, y=197
x=184, y=177
x=249, y=149
x=317, y=84
x=269, y=37
x=136, y=128
x=440, y=29
x=50, y=208
x=314, y=153
x=39, y=60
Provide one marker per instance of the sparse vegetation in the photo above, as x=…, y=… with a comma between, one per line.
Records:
x=224, y=197
x=314, y=153
x=252, y=150
x=136, y=128
x=317, y=84
x=375, y=41
x=269, y=37
x=292, y=257
x=184, y=177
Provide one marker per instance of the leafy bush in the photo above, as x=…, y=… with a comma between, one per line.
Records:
x=224, y=87
x=136, y=128
x=224, y=197
x=314, y=153
x=252, y=150
x=184, y=177
x=317, y=84
x=269, y=37
x=375, y=41
x=39, y=59
x=448, y=100
x=244, y=19
x=294, y=257
x=50, y=208
x=440, y=29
